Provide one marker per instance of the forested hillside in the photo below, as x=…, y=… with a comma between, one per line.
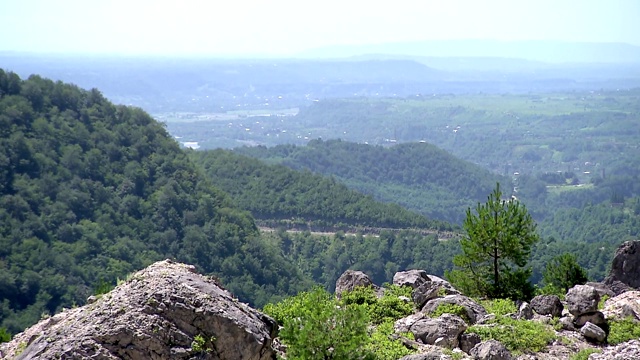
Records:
x=279, y=195
x=418, y=176
x=90, y=191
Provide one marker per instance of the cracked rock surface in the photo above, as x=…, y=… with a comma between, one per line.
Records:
x=166, y=311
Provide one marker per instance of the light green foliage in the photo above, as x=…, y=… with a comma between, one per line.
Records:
x=584, y=354
x=563, y=272
x=623, y=330
x=382, y=347
x=5, y=335
x=455, y=355
x=499, y=307
x=451, y=309
x=496, y=249
x=603, y=300
x=387, y=308
x=517, y=335
x=317, y=326
x=202, y=344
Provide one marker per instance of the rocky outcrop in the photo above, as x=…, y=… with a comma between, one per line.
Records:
x=547, y=305
x=442, y=331
x=625, y=351
x=490, y=350
x=166, y=311
x=468, y=341
x=413, y=278
x=625, y=268
x=474, y=310
x=350, y=280
x=582, y=299
x=623, y=306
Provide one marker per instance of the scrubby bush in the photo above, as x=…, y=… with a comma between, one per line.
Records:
x=584, y=354
x=517, y=335
x=499, y=307
x=382, y=347
x=623, y=330
x=454, y=309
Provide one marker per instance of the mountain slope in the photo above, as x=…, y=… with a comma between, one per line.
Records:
x=277, y=193
x=90, y=191
x=418, y=176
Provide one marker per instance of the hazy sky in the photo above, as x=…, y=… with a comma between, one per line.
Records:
x=285, y=27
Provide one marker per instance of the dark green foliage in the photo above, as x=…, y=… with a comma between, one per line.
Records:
x=277, y=194
x=563, y=272
x=90, y=192
x=418, y=176
x=496, y=250
x=324, y=258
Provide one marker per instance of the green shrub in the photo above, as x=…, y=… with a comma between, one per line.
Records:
x=382, y=347
x=584, y=354
x=317, y=326
x=361, y=295
x=5, y=335
x=499, y=307
x=517, y=335
x=454, y=309
x=603, y=299
x=623, y=330
x=388, y=307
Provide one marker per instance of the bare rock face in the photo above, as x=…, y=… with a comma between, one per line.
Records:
x=582, y=299
x=166, y=311
x=547, y=305
x=491, y=350
x=474, y=310
x=625, y=267
x=625, y=351
x=413, y=278
x=443, y=331
x=352, y=279
x=623, y=306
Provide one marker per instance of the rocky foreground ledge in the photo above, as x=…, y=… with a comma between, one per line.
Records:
x=166, y=311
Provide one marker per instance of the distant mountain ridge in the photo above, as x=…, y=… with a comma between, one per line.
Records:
x=534, y=50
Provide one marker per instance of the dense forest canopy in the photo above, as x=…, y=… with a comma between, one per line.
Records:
x=90, y=191
x=280, y=195
x=418, y=176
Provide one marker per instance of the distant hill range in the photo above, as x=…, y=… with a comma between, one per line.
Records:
x=180, y=84
x=544, y=51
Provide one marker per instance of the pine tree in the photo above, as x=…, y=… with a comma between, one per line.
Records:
x=495, y=250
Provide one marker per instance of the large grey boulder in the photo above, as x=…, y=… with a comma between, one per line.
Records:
x=473, y=310
x=593, y=332
x=352, y=279
x=547, y=305
x=166, y=311
x=490, y=350
x=443, y=331
x=582, y=299
x=625, y=267
x=413, y=278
